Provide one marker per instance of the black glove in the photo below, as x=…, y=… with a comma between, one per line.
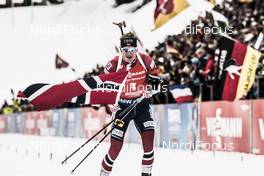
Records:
x=155, y=82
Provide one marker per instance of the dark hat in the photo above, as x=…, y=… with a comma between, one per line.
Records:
x=128, y=39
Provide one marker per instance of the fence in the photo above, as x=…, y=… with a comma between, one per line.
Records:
x=226, y=126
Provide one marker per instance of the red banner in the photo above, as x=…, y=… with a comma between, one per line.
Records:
x=258, y=127
x=36, y=121
x=92, y=121
x=30, y=124
x=225, y=126
x=43, y=121
x=3, y=123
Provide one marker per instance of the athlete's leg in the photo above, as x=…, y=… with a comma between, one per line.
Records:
x=148, y=157
x=145, y=125
x=109, y=159
x=116, y=143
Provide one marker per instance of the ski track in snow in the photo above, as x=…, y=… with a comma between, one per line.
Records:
x=24, y=155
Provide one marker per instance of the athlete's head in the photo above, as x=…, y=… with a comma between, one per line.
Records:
x=128, y=44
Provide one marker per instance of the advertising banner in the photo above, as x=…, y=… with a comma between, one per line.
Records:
x=225, y=126
x=177, y=126
x=30, y=123
x=42, y=122
x=11, y=123
x=72, y=122
x=3, y=124
x=93, y=120
x=19, y=122
x=258, y=127
x=58, y=121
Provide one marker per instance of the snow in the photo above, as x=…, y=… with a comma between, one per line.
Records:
x=14, y=160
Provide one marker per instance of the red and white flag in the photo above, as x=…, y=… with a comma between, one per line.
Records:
x=181, y=93
x=102, y=89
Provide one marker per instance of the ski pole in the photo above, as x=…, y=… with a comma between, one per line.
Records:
x=134, y=104
x=91, y=151
x=64, y=161
x=121, y=114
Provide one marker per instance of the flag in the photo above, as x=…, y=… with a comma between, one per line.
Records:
x=213, y=2
x=181, y=93
x=120, y=2
x=167, y=9
x=236, y=69
x=102, y=89
x=144, y=2
x=60, y=63
x=259, y=40
x=221, y=22
x=245, y=1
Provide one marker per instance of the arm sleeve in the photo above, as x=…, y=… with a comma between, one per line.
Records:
x=153, y=78
x=149, y=63
x=111, y=66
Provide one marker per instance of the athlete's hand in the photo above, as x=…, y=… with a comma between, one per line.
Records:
x=149, y=93
x=111, y=108
x=155, y=82
x=146, y=94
